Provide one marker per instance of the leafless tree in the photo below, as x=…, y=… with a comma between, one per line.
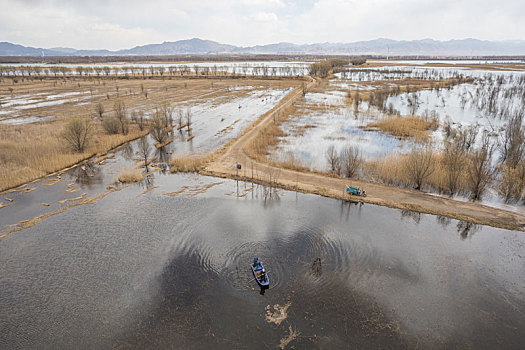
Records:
x=167, y=113
x=511, y=185
x=180, y=114
x=158, y=129
x=480, y=170
x=77, y=133
x=513, y=145
x=188, y=120
x=351, y=160
x=332, y=157
x=419, y=165
x=144, y=150
x=121, y=113
x=140, y=120
x=453, y=162
x=79, y=70
x=99, y=109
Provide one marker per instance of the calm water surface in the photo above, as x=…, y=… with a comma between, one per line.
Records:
x=157, y=271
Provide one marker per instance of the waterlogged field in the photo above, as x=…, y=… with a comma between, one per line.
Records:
x=34, y=112
x=387, y=111
x=117, y=251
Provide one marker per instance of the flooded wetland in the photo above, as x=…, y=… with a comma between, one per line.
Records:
x=163, y=260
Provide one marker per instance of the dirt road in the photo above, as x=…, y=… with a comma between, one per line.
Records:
x=380, y=194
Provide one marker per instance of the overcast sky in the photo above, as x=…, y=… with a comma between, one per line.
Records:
x=91, y=24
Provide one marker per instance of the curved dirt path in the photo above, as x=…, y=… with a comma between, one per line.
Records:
x=380, y=194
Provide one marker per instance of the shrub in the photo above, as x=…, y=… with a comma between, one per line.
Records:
x=111, y=125
x=77, y=133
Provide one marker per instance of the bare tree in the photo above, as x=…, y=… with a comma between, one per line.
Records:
x=167, y=113
x=480, y=170
x=121, y=113
x=512, y=183
x=99, y=109
x=77, y=133
x=332, y=157
x=180, y=114
x=351, y=160
x=140, y=120
x=144, y=150
x=420, y=165
x=304, y=88
x=188, y=120
x=158, y=130
x=453, y=162
x=513, y=145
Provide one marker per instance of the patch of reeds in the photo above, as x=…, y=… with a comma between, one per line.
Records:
x=405, y=126
x=189, y=163
x=393, y=169
x=39, y=151
x=130, y=175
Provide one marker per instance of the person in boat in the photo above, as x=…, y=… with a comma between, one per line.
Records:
x=262, y=276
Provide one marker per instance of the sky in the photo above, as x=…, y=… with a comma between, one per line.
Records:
x=120, y=24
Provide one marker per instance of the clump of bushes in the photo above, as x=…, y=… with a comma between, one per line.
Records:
x=77, y=133
x=324, y=67
x=358, y=61
x=111, y=125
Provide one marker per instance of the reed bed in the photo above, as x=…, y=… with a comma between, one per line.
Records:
x=405, y=126
x=188, y=164
x=39, y=151
x=130, y=175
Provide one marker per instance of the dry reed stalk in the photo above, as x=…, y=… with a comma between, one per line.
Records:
x=187, y=164
x=130, y=175
x=405, y=126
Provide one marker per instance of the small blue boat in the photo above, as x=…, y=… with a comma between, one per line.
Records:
x=260, y=274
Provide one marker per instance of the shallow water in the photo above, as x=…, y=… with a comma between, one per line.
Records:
x=25, y=120
x=151, y=270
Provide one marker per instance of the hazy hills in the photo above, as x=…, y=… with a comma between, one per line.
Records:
x=426, y=47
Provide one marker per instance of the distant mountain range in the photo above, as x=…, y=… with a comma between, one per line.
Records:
x=383, y=47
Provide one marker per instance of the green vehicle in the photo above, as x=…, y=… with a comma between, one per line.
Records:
x=356, y=191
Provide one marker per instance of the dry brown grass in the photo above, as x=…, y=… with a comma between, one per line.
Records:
x=31, y=151
x=392, y=170
x=130, y=175
x=268, y=135
x=37, y=150
x=188, y=164
x=405, y=126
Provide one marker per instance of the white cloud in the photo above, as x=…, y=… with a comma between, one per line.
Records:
x=263, y=17
x=125, y=23
x=269, y=3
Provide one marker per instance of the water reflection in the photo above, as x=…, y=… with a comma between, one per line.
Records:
x=88, y=174
x=126, y=151
x=342, y=274
x=415, y=216
x=467, y=229
x=163, y=157
x=443, y=221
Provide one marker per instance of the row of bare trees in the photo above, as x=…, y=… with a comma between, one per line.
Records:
x=157, y=70
x=467, y=163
